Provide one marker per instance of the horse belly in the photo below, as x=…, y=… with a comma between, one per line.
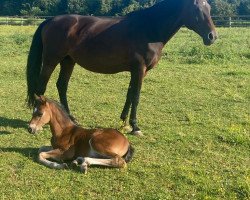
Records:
x=106, y=63
x=103, y=66
x=106, y=53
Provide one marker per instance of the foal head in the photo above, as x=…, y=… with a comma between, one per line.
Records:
x=197, y=17
x=41, y=114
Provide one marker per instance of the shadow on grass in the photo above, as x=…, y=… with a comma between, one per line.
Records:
x=4, y=132
x=13, y=123
x=27, y=152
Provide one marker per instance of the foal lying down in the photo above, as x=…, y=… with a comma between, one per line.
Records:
x=107, y=147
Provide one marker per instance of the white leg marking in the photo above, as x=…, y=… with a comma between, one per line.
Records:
x=87, y=161
x=43, y=156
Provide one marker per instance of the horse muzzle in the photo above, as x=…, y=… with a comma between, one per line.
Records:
x=210, y=38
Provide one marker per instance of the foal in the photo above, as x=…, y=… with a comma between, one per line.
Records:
x=107, y=147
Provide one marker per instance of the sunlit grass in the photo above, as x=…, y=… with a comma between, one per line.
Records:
x=194, y=113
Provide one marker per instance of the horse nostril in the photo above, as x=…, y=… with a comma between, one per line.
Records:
x=211, y=36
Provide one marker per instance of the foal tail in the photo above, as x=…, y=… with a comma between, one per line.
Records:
x=34, y=63
x=128, y=156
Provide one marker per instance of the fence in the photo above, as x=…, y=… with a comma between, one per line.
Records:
x=220, y=21
x=235, y=21
x=21, y=20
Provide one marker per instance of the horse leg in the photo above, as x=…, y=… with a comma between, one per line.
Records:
x=54, y=154
x=136, y=83
x=125, y=111
x=116, y=161
x=46, y=71
x=127, y=105
x=67, y=66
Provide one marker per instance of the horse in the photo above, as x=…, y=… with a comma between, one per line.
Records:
x=106, y=147
x=105, y=45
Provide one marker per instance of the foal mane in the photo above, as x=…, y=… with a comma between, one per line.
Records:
x=60, y=107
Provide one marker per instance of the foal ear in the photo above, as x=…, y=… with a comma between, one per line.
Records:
x=42, y=99
x=37, y=98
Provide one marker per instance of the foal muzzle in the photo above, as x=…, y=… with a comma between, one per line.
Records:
x=32, y=129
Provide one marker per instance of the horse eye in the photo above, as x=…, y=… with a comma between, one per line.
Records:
x=38, y=114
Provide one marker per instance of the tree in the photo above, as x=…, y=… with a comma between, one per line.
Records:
x=30, y=10
x=244, y=7
x=107, y=7
x=10, y=7
x=78, y=7
x=223, y=8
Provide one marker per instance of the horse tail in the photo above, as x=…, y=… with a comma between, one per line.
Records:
x=128, y=156
x=34, y=63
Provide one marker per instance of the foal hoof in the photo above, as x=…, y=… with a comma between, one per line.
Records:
x=65, y=166
x=84, y=169
x=137, y=133
x=74, y=165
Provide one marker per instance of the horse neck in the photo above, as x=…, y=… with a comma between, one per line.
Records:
x=162, y=20
x=59, y=120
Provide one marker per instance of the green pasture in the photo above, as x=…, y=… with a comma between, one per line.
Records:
x=19, y=21
x=194, y=112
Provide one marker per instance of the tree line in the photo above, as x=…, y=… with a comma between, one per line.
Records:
x=106, y=7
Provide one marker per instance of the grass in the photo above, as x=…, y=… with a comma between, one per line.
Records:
x=194, y=113
x=19, y=21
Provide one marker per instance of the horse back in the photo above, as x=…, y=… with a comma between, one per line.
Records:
x=103, y=45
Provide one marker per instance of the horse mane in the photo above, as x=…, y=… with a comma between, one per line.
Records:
x=162, y=7
x=60, y=107
x=158, y=22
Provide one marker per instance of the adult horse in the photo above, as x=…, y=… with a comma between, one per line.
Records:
x=110, y=45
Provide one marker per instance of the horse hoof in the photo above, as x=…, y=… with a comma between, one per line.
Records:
x=125, y=129
x=137, y=133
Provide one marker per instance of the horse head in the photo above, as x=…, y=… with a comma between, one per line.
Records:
x=197, y=17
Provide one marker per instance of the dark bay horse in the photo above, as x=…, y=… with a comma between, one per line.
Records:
x=107, y=147
x=110, y=45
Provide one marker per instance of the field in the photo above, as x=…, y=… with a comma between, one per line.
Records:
x=19, y=21
x=194, y=112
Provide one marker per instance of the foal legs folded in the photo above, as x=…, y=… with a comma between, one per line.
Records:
x=117, y=161
x=46, y=153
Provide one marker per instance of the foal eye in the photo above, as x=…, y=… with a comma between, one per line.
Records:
x=38, y=114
